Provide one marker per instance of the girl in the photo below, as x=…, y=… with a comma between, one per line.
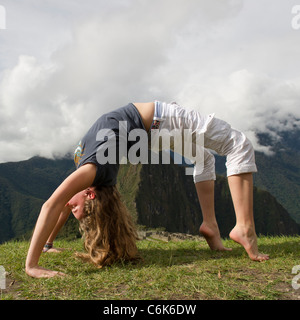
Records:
x=90, y=192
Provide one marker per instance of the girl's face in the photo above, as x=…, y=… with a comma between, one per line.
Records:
x=76, y=204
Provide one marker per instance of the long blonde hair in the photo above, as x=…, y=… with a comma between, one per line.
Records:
x=108, y=229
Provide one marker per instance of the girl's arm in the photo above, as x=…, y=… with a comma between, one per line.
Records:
x=60, y=223
x=76, y=182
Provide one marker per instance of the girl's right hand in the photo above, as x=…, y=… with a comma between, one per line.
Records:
x=39, y=272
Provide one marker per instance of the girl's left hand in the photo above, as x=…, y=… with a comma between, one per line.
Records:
x=54, y=250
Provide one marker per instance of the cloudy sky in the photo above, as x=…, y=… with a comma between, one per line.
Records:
x=63, y=63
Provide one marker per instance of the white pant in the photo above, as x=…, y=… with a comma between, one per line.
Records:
x=218, y=136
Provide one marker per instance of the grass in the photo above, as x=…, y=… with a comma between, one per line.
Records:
x=175, y=270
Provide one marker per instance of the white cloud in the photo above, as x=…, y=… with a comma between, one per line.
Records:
x=78, y=60
x=250, y=102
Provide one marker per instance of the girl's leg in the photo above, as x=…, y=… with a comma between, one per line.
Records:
x=240, y=158
x=241, y=188
x=209, y=228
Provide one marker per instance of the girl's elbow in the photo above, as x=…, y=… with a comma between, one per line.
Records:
x=50, y=206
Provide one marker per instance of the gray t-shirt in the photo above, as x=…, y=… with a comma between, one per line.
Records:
x=86, y=151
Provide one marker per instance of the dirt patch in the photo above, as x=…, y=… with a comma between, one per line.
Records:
x=288, y=292
x=167, y=236
x=12, y=290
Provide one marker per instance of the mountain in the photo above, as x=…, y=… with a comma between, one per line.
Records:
x=156, y=195
x=280, y=173
x=24, y=186
x=166, y=197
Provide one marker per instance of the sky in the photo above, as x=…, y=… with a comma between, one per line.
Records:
x=63, y=63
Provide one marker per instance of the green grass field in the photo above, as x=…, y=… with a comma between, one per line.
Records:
x=174, y=270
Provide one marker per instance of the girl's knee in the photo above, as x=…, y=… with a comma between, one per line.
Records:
x=207, y=170
x=241, y=159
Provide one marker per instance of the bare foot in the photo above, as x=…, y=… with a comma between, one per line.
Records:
x=212, y=237
x=247, y=238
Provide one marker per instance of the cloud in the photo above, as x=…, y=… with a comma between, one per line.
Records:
x=251, y=102
x=109, y=54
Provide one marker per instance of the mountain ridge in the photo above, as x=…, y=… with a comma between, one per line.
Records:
x=156, y=196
